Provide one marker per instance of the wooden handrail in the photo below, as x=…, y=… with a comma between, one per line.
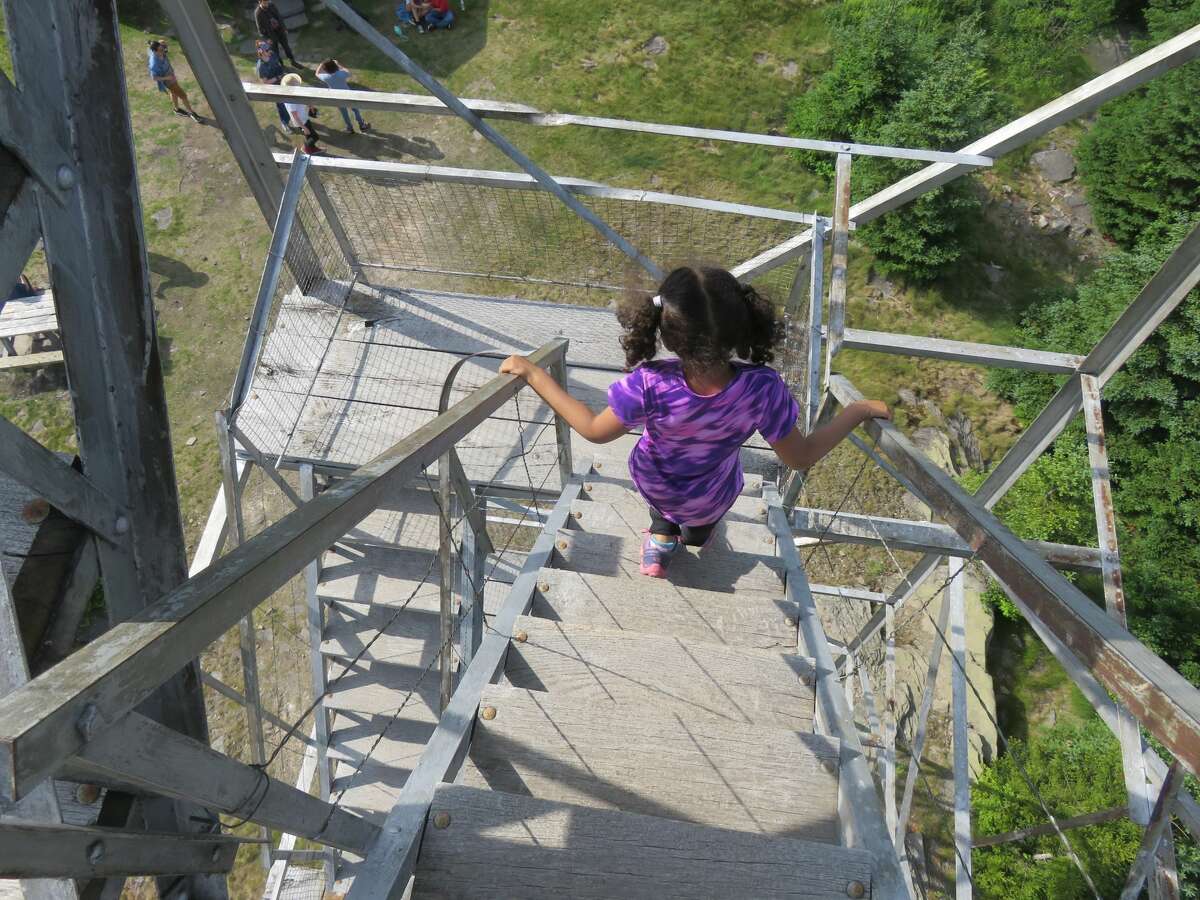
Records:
x=53, y=716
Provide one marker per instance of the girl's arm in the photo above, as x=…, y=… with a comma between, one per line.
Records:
x=800, y=452
x=597, y=428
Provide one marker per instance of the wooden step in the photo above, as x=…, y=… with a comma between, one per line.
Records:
x=710, y=772
x=713, y=569
x=388, y=575
x=764, y=620
x=405, y=518
x=626, y=518
x=394, y=746
x=584, y=664
x=349, y=626
x=492, y=844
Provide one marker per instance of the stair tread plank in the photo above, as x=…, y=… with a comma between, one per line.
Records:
x=505, y=845
x=622, y=518
x=713, y=569
x=658, y=606
x=710, y=772
x=584, y=664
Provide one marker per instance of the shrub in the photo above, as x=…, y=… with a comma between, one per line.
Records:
x=1141, y=163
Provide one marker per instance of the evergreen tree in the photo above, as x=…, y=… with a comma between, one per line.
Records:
x=1141, y=162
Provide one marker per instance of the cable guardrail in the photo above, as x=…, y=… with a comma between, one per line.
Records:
x=923, y=609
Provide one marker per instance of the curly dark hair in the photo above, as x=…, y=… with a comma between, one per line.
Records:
x=706, y=317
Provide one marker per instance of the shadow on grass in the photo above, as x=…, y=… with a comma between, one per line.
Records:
x=175, y=274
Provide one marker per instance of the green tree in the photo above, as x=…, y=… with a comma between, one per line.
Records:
x=1031, y=38
x=1152, y=424
x=1141, y=162
x=1077, y=769
x=902, y=77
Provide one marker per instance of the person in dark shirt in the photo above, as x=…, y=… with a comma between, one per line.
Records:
x=270, y=25
x=269, y=69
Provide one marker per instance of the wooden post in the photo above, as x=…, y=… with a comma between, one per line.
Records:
x=91, y=223
x=841, y=246
x=816, y=296
x=1160, y=823
x=889, y=719
x=473, y=581
x=962, y=775
x=41, y=805
x=246, y=633
x=562, y=430
x=445, y=586
x=317, y=667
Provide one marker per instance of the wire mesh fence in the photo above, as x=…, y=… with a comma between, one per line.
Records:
x=507, y=241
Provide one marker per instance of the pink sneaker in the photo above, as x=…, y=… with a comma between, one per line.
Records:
x=656, y=557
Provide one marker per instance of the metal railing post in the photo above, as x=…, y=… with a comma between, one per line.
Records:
x=473, y=579
x=446, y=579
x=280, y=235
x=562, y=430
x=246, y=635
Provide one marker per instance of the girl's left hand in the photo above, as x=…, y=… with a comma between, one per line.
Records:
x=517, y=365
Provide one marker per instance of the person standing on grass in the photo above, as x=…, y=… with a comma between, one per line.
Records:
x=333, y=76
x=269, y=69
x=270, y=25
x=300, y=115
x=696, y=410
x=437, y=14
x=164, y=76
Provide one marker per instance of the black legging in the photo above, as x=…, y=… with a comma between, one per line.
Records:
x=281, y=43
x=691, y=535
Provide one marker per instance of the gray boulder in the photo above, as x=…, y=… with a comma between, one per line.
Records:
x=1055, y=165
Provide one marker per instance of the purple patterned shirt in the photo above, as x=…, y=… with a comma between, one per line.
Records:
x=687, y=463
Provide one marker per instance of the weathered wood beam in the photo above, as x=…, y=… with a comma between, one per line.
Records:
x=923, y=537
x=1160, y=823
x=25, y=460
x=994, y=355
x=1140, y=802
x=964, y=882
x=1114, y=83
x=41, y=805
x=859, y=809
x=31, y=361
x=151, y=758
x=96, y=254
x=30, y=850
x=519, y=112
x=77, y=590
x=1115, y=814
x=1158, y=696
x=55, y=715
x=287, y=841
x=838, y=262
x=392, y=858
x=19, y=226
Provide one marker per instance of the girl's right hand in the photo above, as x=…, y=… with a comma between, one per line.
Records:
x=517, y=365
x=875, y=409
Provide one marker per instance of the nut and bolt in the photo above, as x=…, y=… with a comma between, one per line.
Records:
x=521, y=637
x=87, y=794
x=86, y=723
x=856, y=889
x=562, y=545
x=216, y=854
x=65, y=176
x=768, y=540
x=442, y=820
x=95, y=852
x=587, y=487
x=598, y=466
x=36, y=511
x=543, y=586
x=488, y=712
x=121, y=525
x=577, y=514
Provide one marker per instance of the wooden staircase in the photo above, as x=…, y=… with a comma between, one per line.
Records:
x=650, y=738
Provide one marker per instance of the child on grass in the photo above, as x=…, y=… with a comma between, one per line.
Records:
x=699, y=408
